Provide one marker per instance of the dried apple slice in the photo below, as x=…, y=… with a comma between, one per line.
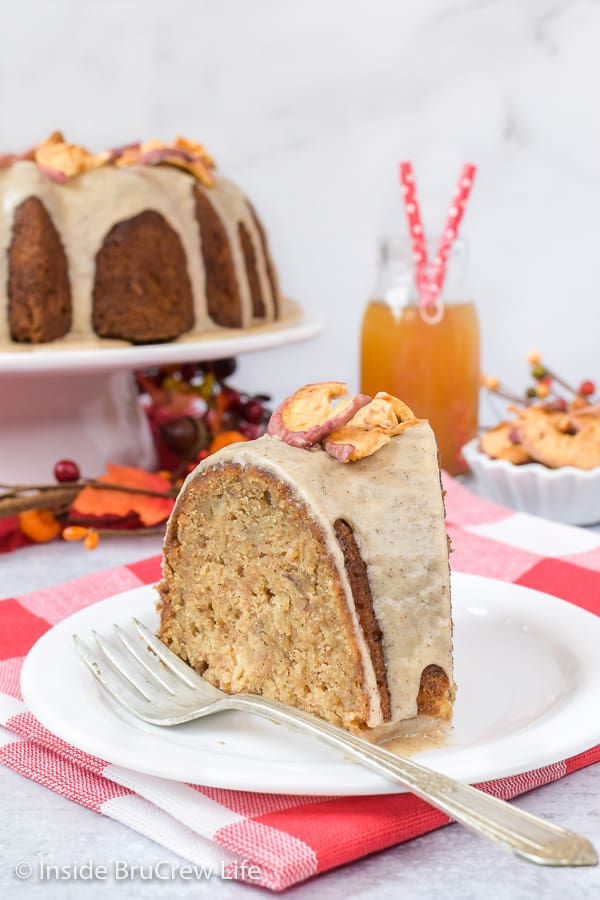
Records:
x=195, y=168
x=581, y=417
x=403, y=412
x=154, y=153
x=307, y=417
x=554, y=448
x=62, y=161
x=378, y=414
x=54, y=174
x=115, y=153
x=197, y=150
x=352, y=442
x=371, y=428
x=164, y=154
x=497, y=444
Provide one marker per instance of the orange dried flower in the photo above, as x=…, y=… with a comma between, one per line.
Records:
x=542, y=389
x=490, y=382
x=41, y=525
x=224, y=439
x=74, y=533
x=90, y=541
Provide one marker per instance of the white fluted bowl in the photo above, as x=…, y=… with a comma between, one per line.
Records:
x=566, y=495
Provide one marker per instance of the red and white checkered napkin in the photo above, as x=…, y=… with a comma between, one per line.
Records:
x=288, y=838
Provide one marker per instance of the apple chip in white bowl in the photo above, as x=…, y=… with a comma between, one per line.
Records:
x=545, y=461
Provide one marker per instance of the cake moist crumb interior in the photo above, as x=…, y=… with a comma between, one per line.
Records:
x=252, y=601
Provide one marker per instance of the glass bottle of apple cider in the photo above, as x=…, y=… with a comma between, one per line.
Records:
x=429, y=357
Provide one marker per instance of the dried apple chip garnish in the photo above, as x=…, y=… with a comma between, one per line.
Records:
x=199, y=151
x=350, y=430
x=554, y=448
x=183, y=153
x=370, y=429
x=307, y=416
x=352, y=442
x=499, y=443
x=62, y=161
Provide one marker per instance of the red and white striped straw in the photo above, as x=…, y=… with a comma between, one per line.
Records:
x=430, y=283
x=415, y=224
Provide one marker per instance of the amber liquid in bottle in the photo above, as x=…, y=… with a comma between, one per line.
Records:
x=432, y=367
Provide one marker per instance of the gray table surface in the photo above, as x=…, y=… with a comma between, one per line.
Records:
x=37, y=824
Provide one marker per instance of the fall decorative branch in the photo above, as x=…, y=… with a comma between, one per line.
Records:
x=15, y=499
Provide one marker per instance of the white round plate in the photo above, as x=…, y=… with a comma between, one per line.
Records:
x=76, y=356
x=528, y=675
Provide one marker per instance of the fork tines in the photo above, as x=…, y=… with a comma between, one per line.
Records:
x=144, y=676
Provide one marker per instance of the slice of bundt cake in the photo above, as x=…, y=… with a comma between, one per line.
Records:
x=311, y=566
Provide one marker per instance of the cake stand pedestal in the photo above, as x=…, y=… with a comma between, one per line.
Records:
x=82, y=403
x=93, y=418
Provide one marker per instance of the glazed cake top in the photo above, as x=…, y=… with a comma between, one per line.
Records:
x=86, y=208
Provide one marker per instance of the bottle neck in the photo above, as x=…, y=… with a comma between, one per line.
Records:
x=396, y=274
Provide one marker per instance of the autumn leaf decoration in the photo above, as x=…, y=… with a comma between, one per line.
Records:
x=191, y=412
x=125, y=500
x=102, y=503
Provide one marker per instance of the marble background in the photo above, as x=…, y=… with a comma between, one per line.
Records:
x=310, y=105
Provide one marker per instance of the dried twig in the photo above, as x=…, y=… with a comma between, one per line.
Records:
x=22, y=497
x=12, y=506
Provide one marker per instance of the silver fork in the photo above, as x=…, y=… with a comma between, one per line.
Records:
x=146, y=678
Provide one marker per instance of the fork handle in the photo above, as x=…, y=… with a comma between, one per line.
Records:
x=525, y=835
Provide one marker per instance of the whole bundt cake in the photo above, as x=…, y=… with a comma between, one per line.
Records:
x=142, y=243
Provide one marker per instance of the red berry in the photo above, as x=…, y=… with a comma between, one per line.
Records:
x=587, y=388
x=66, y=470
x=223, y=368
x=231, y=398
x=253, y=410
x=188, y=371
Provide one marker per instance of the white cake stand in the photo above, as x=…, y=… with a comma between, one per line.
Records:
x=81, y=402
